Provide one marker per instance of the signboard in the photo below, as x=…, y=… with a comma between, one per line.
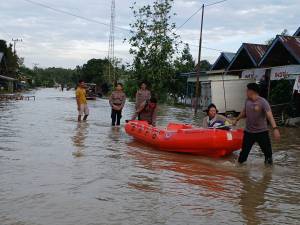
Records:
x=284, y=72
x=257, y=74
x=297, y=84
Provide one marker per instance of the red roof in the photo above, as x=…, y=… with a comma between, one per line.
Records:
x=256, y=51
x=290, y=43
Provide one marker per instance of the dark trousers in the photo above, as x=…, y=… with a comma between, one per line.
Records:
x=263, y=140
x=116, y=116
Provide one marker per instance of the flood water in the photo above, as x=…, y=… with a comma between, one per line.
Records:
x=55, y=171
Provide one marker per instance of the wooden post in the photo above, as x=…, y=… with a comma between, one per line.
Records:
x=199, y=60
x=268, y=75
x=224, y=92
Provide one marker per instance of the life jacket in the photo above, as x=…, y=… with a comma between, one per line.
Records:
x=215, y=123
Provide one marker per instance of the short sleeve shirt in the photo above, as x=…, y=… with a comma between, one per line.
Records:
x=81, y=95
x=256, y=115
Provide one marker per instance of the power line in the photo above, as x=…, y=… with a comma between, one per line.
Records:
x=185, y=22
x=213, y=49
x=72, y=14
x=215, y=3
x=197, y=11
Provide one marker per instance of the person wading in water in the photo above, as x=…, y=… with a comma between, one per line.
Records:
x=81, y=101
x=117, y=102
x=148, y=111
x=257, y=111
x=142, y=95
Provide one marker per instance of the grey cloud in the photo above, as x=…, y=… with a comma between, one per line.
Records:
x=54, y=39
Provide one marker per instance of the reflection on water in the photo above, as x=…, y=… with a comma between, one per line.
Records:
x=253, y=198
x=79, y=138
x=117, y=180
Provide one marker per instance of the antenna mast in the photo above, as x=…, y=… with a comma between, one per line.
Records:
x=111, y=48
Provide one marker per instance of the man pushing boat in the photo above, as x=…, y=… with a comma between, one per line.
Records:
x=257, y=111
x=147, y=111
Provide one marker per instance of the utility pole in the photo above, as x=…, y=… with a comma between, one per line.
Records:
x=15, y=42
x=199, y=61
x=35, y=65
x=111, y=48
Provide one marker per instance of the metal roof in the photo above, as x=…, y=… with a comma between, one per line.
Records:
x=254, y=51
x=229, y=56
x=297, y=33
x=291, y=44
x=223, y=60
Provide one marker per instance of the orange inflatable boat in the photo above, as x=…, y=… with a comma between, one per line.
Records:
x=187, y=139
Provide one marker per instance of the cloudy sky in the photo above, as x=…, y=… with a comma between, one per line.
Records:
x=54, y=39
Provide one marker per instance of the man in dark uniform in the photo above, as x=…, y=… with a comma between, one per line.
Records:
x=257, y=111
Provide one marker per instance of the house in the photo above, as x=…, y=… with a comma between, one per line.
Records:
x=248, y=56
x=6, y=83
x=263, y=63
x=223, y=61
x=297, y=33
x=3, y=68
x=284, y=50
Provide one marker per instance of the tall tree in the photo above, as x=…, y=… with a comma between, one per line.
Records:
x=11, y=59
x=94, y=70
x=183, y=64
x=153, y=45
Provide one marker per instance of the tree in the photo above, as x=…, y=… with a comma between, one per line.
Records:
x=48, y=77
x=11, y=60
x=94, y=71
x=204, y=65
x=153, y=45
x=281, y=91
x=270, y=41
x=183, y=64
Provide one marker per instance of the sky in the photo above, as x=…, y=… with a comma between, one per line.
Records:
x=51, y=38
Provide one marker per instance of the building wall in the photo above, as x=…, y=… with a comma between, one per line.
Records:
x=213, y=78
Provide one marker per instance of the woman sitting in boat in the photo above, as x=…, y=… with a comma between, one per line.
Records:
x=147, y=111
x=213, y=119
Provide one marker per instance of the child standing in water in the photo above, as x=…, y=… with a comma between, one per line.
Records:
x=117, y=102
